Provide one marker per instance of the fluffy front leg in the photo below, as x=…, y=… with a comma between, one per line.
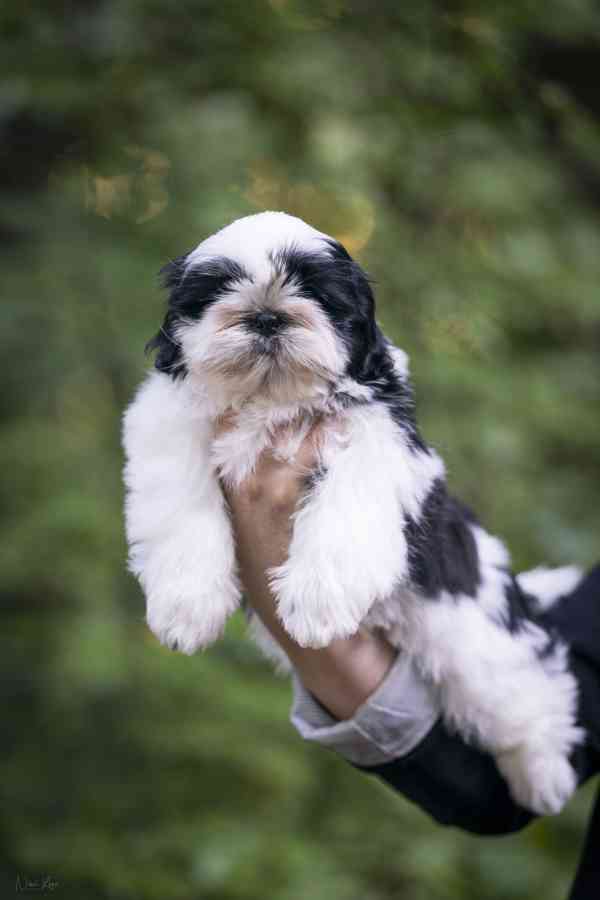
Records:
x=511, y=692
x=179, y=534
x=348, y=547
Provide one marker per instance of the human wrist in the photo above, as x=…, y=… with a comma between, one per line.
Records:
x=343, y=675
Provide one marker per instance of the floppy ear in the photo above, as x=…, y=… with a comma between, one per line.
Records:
x=368, y=345
x=373, y=359
x=169, y=358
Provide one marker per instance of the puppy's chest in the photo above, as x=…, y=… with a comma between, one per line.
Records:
x=280, y=430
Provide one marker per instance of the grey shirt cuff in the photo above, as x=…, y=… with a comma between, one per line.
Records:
x=388, y=725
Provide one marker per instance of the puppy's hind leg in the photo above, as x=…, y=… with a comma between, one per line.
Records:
x=538, y=769
x=510, y=692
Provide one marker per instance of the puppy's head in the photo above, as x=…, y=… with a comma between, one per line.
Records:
x=268, y=305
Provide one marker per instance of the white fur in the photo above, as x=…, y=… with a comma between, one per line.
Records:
x=270, y=648
x=495, y=689
x=181, y=546
x=494, y=562
x=223, y=361
x=249, y=240
x=495, y=686
x=348, y=547
x=347, y=562
x=549, y=585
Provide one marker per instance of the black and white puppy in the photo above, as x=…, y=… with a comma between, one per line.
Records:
x=273, y=321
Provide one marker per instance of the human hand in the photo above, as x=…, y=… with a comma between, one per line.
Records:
x=346, y=672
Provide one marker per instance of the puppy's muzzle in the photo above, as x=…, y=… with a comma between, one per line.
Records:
x=267, y=323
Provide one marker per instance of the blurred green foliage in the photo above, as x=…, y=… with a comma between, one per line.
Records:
x=454, y=147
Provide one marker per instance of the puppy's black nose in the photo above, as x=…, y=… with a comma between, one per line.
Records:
x=267, y=322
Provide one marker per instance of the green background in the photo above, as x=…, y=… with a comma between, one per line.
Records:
x=455, y=148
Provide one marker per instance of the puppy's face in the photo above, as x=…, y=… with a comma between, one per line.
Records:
x=267, y=306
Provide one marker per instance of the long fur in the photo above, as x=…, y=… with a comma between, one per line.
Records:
x=272, y=322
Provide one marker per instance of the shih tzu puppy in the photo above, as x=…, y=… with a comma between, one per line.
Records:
x=272, y=323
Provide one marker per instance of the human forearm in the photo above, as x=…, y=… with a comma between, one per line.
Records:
x=346, y=672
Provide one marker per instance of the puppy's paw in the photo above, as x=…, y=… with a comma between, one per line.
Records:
x=313, y=617
x=191, y=622
x=183, y=628
x=310, y=629
x=540, y=781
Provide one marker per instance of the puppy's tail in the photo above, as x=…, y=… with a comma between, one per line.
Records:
x=549, y=585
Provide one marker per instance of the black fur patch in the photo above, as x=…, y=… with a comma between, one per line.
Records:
x=343, y=291
x=521, y=608
x=397, y=394
x=340, y=287
x=190, y=295
x=519, y=605
x=442, y=553
x=311, y=481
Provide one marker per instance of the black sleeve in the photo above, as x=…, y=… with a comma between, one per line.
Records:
x=455, y=783
x=458, y=784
